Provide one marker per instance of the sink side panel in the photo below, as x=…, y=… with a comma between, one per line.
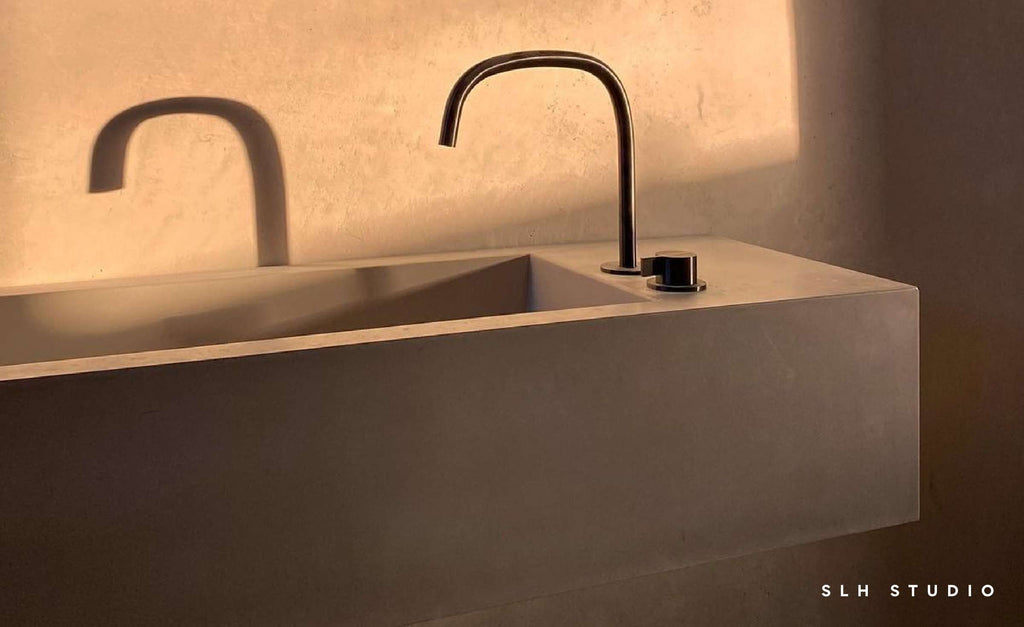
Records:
x=556, y=287
x=392, y=482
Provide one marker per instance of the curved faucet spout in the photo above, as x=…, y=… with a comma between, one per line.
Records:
x=627, y=263
x=106, y=172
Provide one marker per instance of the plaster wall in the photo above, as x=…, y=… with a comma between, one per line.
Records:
x=354, y=93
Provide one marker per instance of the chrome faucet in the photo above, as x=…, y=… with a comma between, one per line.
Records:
x=106, y=172
x=623, y=122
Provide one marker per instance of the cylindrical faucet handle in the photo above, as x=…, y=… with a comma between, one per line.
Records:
x=673, y=271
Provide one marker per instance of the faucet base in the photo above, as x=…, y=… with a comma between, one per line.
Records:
x=655, y=284
x=613, y=267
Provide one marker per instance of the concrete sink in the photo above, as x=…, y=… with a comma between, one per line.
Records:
x=132, y=316
x=388, y=441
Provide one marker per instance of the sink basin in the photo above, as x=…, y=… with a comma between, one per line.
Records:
x=133, y=316
x=393, y=440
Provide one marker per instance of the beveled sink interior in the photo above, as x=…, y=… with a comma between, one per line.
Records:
x=283, y=302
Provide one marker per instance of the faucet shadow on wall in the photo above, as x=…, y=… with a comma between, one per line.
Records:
x=108, y=155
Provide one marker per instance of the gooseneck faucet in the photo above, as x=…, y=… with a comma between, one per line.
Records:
x=106, y=171
x=627, y=263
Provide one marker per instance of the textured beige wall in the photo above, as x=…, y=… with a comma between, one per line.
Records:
x=354, y=91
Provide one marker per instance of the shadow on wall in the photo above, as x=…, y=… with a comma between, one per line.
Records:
x=956, y=183
x=107, y=169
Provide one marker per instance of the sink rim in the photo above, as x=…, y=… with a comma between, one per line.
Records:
x=583, y=259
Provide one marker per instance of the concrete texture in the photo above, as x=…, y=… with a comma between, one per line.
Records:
x=117, y=317
x=422, y=470
x=144, y=321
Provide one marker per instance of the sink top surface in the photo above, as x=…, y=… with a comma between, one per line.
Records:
x=277, y=309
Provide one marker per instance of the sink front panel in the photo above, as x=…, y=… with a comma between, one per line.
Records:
x=390, y=482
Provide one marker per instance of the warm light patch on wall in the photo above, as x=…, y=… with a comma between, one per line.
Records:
x=354, y=93
x=741, y=111
x=713, y=92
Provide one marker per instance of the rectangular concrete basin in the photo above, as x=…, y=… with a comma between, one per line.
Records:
x=133, y=316
x=388, y=441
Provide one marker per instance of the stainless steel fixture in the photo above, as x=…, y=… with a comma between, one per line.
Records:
x=624, y=124
x=672, y=271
